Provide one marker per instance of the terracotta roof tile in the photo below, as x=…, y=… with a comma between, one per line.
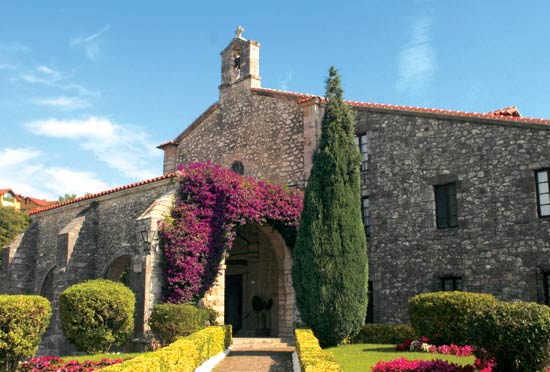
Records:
x=506, y=114
x=92, y=196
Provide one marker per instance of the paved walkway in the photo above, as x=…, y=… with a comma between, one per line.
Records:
x=256, y=361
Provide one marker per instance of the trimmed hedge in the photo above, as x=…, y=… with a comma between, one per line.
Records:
x=312, y=358
x=184, y=355
x=170, y=321
x=517, y=334
x=23, y=321
x=443, y=316
x=97, y=314
x=384, y=334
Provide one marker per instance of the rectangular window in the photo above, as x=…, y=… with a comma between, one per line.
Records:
x=446, y=207
x=543, y=195
x=366, y=214
x=546, y=287
x=370, y=305
x=451, y=283
x=361, y=141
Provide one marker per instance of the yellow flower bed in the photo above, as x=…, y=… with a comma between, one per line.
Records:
x=183, y=355
x=312, y=357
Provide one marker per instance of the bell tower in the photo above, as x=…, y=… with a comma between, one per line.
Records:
x=241, y=62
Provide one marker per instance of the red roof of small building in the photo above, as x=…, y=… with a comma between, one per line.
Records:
x=92, y=196
x=505, y=114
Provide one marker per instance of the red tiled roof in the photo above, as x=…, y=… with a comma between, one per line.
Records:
x=167, y=143
x=92, y=196
x=41, y=202
x=2, y=191
x=506, y=114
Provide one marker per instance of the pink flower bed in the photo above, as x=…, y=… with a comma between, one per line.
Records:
x=422, y=345
x=404, y=365
x=55, y=364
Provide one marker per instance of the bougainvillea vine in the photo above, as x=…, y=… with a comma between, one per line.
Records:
x=211, y=203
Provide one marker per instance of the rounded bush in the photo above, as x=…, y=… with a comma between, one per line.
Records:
x=384, y=334
x=170, y=321
x=516, y=334
x=443, y=316
x=23, y=321
x=97, y=314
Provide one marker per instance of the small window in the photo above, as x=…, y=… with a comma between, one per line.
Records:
x=543, y=194
x=451, y=283
x=366, y=214
x=446, y=208
x=546, y=286
x=361, y=141
x=8, y=196
x=370, y=306
x=238, y=167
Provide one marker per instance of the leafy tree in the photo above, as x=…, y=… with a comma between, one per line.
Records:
x=330, y=258
x=12, y=222
x=66, y=197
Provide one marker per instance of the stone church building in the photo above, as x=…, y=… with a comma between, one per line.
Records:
x=451, y=201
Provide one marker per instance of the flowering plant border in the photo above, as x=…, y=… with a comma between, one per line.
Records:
x=56, y=364
x=211, y=203
x=422, y=345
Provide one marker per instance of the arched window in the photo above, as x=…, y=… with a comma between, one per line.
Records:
x=48, y=289
x=118, y=270
x=238, y=167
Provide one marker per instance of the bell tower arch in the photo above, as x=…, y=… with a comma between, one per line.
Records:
x=241, y=62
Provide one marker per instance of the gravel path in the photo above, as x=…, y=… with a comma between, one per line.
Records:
x=256, y=361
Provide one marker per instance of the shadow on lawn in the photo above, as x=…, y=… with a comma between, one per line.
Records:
x=389, y=349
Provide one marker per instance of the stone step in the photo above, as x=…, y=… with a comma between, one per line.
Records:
x=262, y=343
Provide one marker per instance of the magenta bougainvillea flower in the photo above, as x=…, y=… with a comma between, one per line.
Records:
x=211, y=203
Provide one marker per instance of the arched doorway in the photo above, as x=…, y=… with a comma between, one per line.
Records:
x=257, y=277
x=118, y=270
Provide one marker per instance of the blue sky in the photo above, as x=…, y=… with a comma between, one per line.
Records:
x=88, y=89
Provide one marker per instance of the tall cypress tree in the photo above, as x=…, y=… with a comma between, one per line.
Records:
x=330, y=260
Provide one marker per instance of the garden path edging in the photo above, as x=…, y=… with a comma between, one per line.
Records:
x=295, y=362
x=209, y=365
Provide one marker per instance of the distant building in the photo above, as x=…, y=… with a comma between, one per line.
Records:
x=9, y=199
x=23, y=203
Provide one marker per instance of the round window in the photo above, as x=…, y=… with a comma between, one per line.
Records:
x=238, y=167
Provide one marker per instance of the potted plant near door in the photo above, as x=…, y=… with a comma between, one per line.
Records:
x=262, y=309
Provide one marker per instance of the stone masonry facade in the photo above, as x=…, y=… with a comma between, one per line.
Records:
x=497, y=244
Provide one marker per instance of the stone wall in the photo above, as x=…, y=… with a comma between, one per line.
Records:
x=264, y=133
x=500, y=245
x=79, y=241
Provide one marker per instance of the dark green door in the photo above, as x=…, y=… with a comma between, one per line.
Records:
x=234, y=301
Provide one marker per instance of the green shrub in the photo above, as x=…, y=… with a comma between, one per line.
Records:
x=170, y=321
x=384, y=334
x=517, y=334
x=97, y=314
x=312, y=358
x=23, y=321
x=443, y=316
x=184, y=355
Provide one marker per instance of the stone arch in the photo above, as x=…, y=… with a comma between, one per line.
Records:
x=117, y=270
x=47, y=288
x=261, y=263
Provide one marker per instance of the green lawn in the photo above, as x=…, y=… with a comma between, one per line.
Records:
x=96, y=357
x=362, y=357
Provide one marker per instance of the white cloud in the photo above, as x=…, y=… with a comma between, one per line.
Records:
x=286, y=80
x=122, y=148
x=63, y=102
x=13, y=48
x=91, y=45
x=417, y=60
x=23, y=170
x=48, y=71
